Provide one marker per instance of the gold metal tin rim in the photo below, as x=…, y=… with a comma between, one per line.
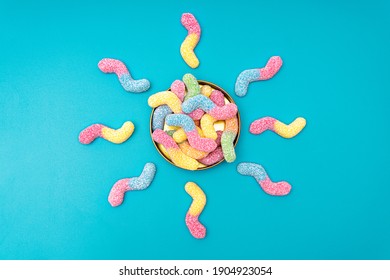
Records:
x=228, y=97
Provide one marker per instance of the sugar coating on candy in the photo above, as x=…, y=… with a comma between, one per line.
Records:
x=219, y=136
x=179, y=88
x=165, y=97
x=207, y=126
x=269, y=123
x=159, y=115
x=197, y=102
x=116, y=136
x=192, y=152
x=184, y=121
x=192, y=39
x=192, y=85
x=213, y=157
x=116, y=196
x=227, y=146
x=199, y=201
x=173, y=150
x=109, y=65
x=258, y=172
x=196, y=115
x=232, y=125
x=90, y=133
x=218, y=98
x=225, y=112
x=206, y=90
x=180, y=135
x=247, y=76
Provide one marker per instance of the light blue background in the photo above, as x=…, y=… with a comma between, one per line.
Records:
x=53, y=190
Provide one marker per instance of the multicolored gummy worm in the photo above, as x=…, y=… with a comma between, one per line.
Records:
x=192, y=218
x=187, y=47
x=269, y=123
x=176, y=155
x=259, y=74
x=117, y=193
x=117, y=136
x=227, y=140
x=257, y=171
x=109, y=65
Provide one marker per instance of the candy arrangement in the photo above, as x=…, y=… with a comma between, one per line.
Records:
x=195, y=125
x=190, y=146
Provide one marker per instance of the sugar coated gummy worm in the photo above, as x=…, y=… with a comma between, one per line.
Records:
x=193, y=89
x=109, y=65
x=165, y=97
x=179, y=88
x=258, y=172
x=117, y=193
x=218, y=98
x=185, y=122
x=180, y=135
x=159, y=115
x=207, y=126
x=176, y=155
x=269, y=123
x=200, y=101
x=213, y=157
x=98, y=130
x=192, y=152
x=259, y=74
x=192, y=39
x=192, y=218
x=227, y=140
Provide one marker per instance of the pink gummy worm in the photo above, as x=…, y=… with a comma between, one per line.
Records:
x=190, y=23
x=279, y=188
x=213, y=157
x=178, y=88
x=110, y=65
x=199, y=143
x=117, y=193
x=271, y=68
x=218, y=98
x=196, y=228
x=163, y=138
x=261, y=125
x=196, y=115
x=225, y=112
x=90, y=133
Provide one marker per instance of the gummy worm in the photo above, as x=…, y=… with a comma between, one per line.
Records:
x=193, y=89
x=117, y=193
x=192, y=218
x=179, y=88
x=192, y=39
x=192, y=152
x=174, y=152
x=258, y=172
x=216, y=155
x=184, y=121
x=228, y=137
x=159, y=115
x=206, y=90
x=165, y=97
x=217, y=97
x=98, y=130
x=225, y=112
x=180, y=135
x=269, y=123
x=207, y=126
x=259, y=74
x=109, y=65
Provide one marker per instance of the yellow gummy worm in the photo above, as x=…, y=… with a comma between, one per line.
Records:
x=206, y=90
x=207, y=126
x=187, y=50
x=192, y=152
x=198, y=196
x=180, y=136
x=119, y=135
x=165, y=97
x=182, y=160
x=289, y=131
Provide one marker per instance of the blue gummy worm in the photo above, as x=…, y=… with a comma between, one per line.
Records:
x=181, y=120
x=196, y=102
x=131, y=85
x=145, y=179
x=252, y=169
x=159, y=116
x=243, y=80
